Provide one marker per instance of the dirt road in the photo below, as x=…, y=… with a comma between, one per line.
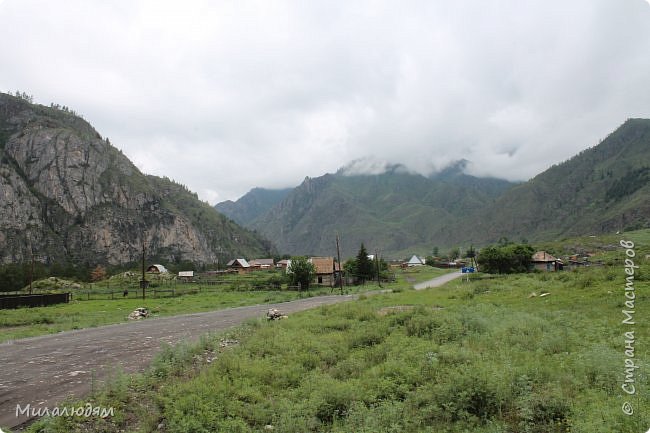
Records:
x=44, y=371
x=438, y=281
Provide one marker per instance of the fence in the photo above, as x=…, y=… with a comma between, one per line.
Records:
x=38, y=300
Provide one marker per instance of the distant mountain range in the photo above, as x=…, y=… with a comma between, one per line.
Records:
x=257, y=201
x=67, y=195
x=603, y=189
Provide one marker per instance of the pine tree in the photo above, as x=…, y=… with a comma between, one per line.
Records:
x=364, y=266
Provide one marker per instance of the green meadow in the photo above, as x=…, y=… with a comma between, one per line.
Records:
x=191, y=298
x=537, y=353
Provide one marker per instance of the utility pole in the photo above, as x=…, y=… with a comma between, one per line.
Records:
x=31, y=273
x=377, y=265
x=338, y=254
x=143, y=282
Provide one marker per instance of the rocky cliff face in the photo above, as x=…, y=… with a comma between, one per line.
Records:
x=67, y=194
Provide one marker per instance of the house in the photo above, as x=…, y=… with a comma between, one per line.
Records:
x=415, y=261
x=186, y=276
x=262, y=264
x=326, y=270
x=240, y=265
x=543, y=261
x=283, y=264
x=157, y=269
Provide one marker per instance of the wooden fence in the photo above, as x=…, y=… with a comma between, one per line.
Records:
x=37, y=300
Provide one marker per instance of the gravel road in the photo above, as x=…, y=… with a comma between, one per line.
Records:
x=438, y=281
x=44, y=371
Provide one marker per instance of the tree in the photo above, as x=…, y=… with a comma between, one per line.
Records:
x=505, y=259
x=98, y=274
x=365, y=268
x=350, y=267
x=301, y=272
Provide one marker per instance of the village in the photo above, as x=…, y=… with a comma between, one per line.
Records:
x=328, y=271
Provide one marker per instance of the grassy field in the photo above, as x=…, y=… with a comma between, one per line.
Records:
x=81, y=313
x=537, y=353
x=605, y=248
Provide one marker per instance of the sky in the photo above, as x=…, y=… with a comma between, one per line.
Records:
x=223, y=96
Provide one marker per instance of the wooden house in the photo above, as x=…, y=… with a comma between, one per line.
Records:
x=326, y=270
x=543, y=261
x=283, y=264
x=262, y=264
x=239, y=265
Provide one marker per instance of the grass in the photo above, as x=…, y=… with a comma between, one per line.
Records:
x=80, y=313
x=604, y=247
x=488, y=355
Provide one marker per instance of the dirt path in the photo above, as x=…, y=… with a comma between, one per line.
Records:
x=438, y=281
x=44, y=371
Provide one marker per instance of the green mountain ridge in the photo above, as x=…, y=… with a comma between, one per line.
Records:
x=603, y=189
x=252, y=205
x=70, y=196
x=391, y=212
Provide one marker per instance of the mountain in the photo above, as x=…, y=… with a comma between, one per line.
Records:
x=395, y=211
x=603, y=189
x=70, y=196
x=253, y=204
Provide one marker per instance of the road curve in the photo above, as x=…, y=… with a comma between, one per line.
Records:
x=44, y=371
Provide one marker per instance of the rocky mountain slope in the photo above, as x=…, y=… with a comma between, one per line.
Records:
x=68, y=195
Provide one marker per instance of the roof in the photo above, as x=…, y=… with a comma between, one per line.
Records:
x=261, y=262
x=543, y=256
x=324, y=265
x=242, y=263
x=415, y=260
x=160, y=268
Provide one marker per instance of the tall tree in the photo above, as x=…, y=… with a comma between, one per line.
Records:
x=364, y=266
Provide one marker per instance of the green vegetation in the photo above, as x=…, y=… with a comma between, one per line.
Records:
x=505, y=259
x=106, y=304
x=302, y=272
x=362, y=269
x=488, y=355
x=398, y=213
x=253, y=204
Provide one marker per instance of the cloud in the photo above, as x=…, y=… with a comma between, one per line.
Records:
x=225, y=96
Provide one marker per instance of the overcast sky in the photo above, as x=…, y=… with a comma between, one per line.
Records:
x=223, y=96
